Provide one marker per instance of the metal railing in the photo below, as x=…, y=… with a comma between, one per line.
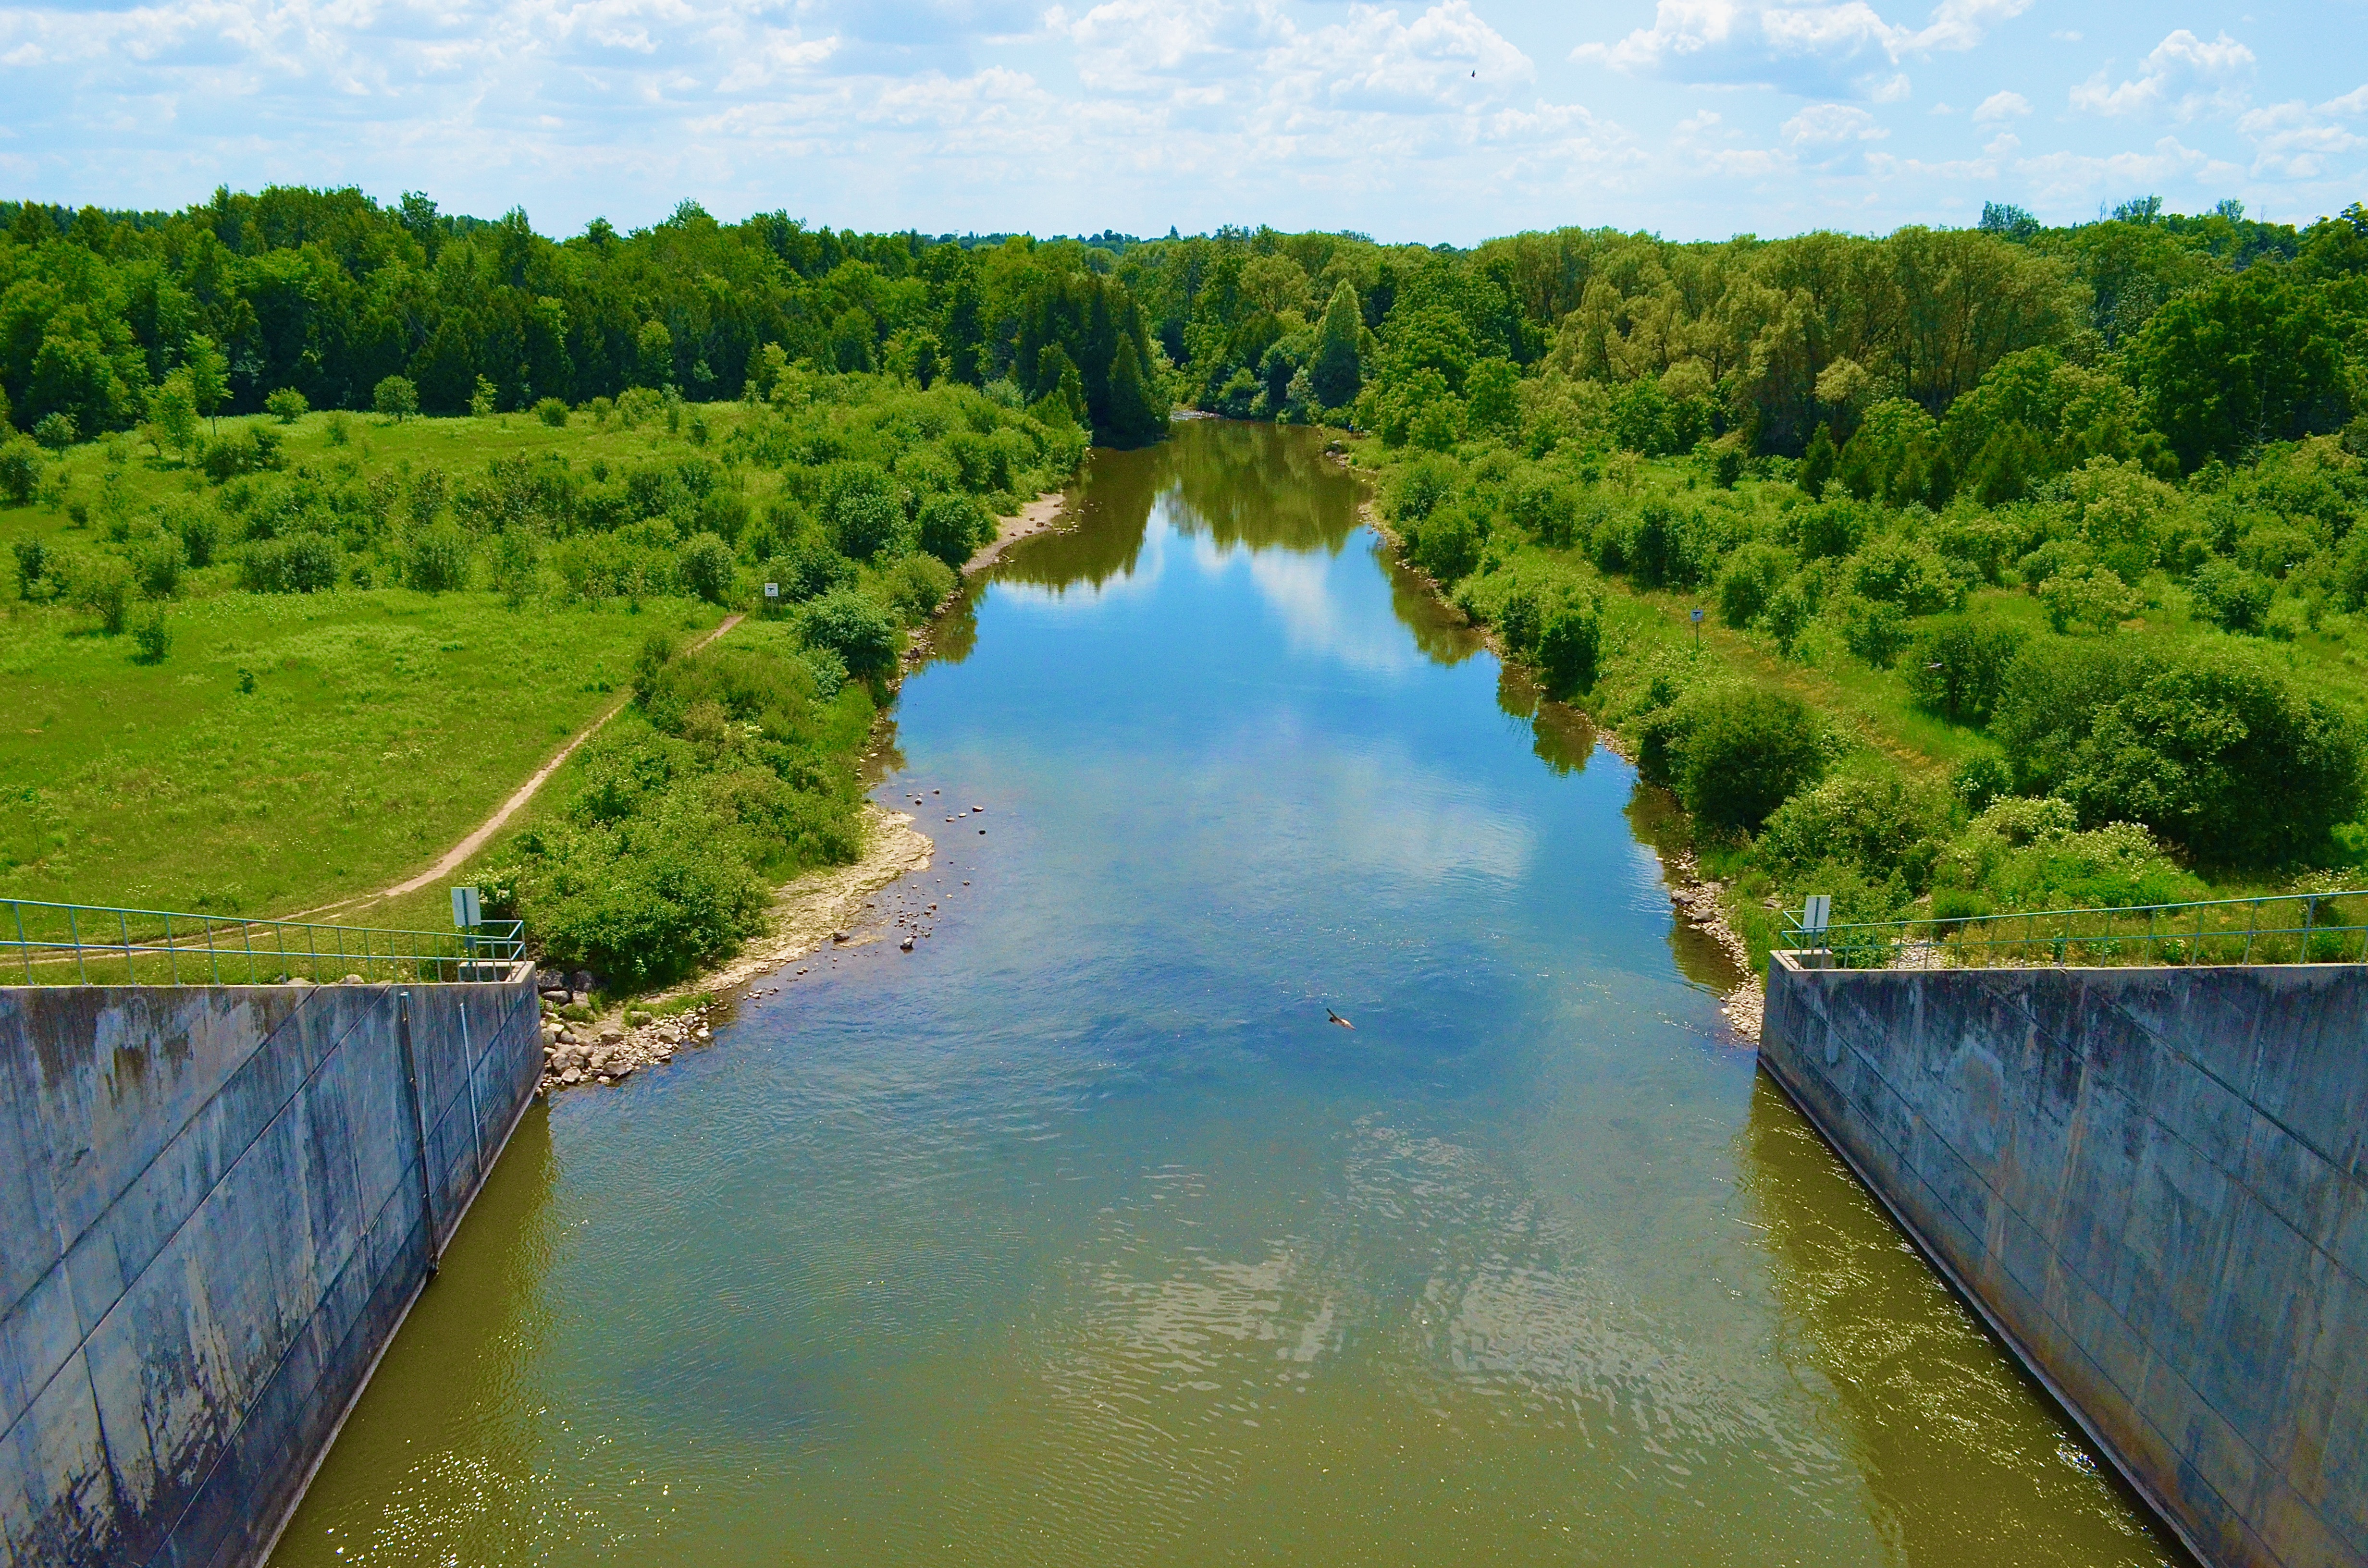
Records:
x=75, y=944
x=2309, y=928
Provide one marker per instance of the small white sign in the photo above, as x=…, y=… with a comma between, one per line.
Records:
x=1817, y=913
x=465, y=913
x=772, y=590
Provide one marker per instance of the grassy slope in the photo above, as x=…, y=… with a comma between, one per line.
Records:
x=383, y=725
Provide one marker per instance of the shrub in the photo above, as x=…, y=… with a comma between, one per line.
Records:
x=438, y=560
x=2231, y=597
x=152, y=636
x=1957, y=667
x=1893, y=571
x=1835, y=527
x=101, y=585
x=156, y=562
x=1421, y=488
x=809, y=568
x=861, y=510
x=917, y=586
x=855, y=629
x=2087, y=600
x=302, y=563
x=1570, y=646
x=552, y=412
x=56, y=431
x=255, y=449
x=2022, y=853
x=198, y=526
x=20, y=470
x=706, y=565
x=1744, y=753
x=287, y=405
x=32, y=566
x=600, y=408
x=1981, y=779
x=2195, y=744
x=1882, y=828
x=336, y=428
x=1788, y=616
x=1874, y=629
x=954, y=527
x=1447, y=546
x=516, y=565
x=1752, y=576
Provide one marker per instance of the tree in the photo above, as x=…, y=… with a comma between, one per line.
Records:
x=396, y=397
x=654, y=347
x=287, y=405
x=1817, y=467
x=1138, y=416
x=854, y=628
x=1744, y=753
x=1491, y=403
x=209, y=376
x=1334, y=369
x=2250, y=359
x=1062, y=390
x=484, y=399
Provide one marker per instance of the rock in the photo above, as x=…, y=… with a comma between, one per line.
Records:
x=354, y=979
x=838, y=935
x=611, y=1034
x=573, y=1076
x=580, y=981
x=620, y=1071
x=906, y=944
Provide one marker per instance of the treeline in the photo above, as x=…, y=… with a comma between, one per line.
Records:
x=327, y=294
x=2212, y=335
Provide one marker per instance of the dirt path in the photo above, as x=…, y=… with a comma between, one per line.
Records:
x=454, y=858
x=1033, y=519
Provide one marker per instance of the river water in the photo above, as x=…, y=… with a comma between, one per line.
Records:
x=1081, y=1235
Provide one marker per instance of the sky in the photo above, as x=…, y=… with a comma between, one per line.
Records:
x=1450, y=121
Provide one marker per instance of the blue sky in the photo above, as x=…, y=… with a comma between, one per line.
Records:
x=1448, y=121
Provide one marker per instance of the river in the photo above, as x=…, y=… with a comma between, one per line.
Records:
x=1080, y=1234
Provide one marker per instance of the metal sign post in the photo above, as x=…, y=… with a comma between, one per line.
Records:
x=1697, y=620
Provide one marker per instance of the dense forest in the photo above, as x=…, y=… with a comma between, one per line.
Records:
x=327, y=294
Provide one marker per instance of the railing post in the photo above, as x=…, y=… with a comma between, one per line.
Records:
x=23, y=946
x=418, y=1127
x=171, y=953
x=73, y=935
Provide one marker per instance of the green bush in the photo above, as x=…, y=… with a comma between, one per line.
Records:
x=1570, y=646
x=854, y=628
x=1893, y=571
x=2231, y=597
x=865, y=515
x=395, y=398
x=706, y=567
x=1753, y=574
x=2023, y=853
x=1421, y=488
x=56, y=431
x=20, y=470
x=101, y=585
x=1884, y=828
x=32, y=566
x=1447, y=545
x=152, y=636
x=954, y=527
x=552, y=412
x=156, y=562
x=1874, y=629
x=2209, y=748
x=917, y=586
x=1743, y=753
x=1981, y=779
x=2087, y=600
x=438, y=560
x=305, y=561
x=198, y=526
x=1958, y=666
x=254, y=449
x=287, y=405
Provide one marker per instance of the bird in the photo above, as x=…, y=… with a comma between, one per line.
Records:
x=1339, y=1019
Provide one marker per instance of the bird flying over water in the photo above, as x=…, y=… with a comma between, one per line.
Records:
x=1339, y=1019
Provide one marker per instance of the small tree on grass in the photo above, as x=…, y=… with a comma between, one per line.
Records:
x=1746, y=752
x=287, y=405
x=209, y=376
x=396, y=397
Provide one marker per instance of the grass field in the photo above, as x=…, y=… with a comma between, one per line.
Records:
x=292, y=750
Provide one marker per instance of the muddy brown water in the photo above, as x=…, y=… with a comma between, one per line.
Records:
x=1080, y=1235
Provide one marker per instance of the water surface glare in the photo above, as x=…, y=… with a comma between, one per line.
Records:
x=1079, y=1234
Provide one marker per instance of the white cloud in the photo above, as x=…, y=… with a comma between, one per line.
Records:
x=2001, y=105
x=1812, y=48
x=1832, y=125
x=2183, y=73
x=2290, y=142
x=2354, y=102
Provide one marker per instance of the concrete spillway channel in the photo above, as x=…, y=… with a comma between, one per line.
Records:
x=2153, y=1183
x=217, y=1203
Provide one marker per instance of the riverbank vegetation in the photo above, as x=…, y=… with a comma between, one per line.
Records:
x=273, y=660
x=1955, y=569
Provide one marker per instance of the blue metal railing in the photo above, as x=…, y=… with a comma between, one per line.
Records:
x=79, y=944
x=2305, y=928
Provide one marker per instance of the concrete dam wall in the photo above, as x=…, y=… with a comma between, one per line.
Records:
x=2154, y=1183
x=216, y=1205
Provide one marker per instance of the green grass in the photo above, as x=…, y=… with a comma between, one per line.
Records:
x=383, y=725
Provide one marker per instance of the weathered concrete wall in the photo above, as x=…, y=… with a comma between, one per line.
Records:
x=213, y=1218
x=2154, y=1182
